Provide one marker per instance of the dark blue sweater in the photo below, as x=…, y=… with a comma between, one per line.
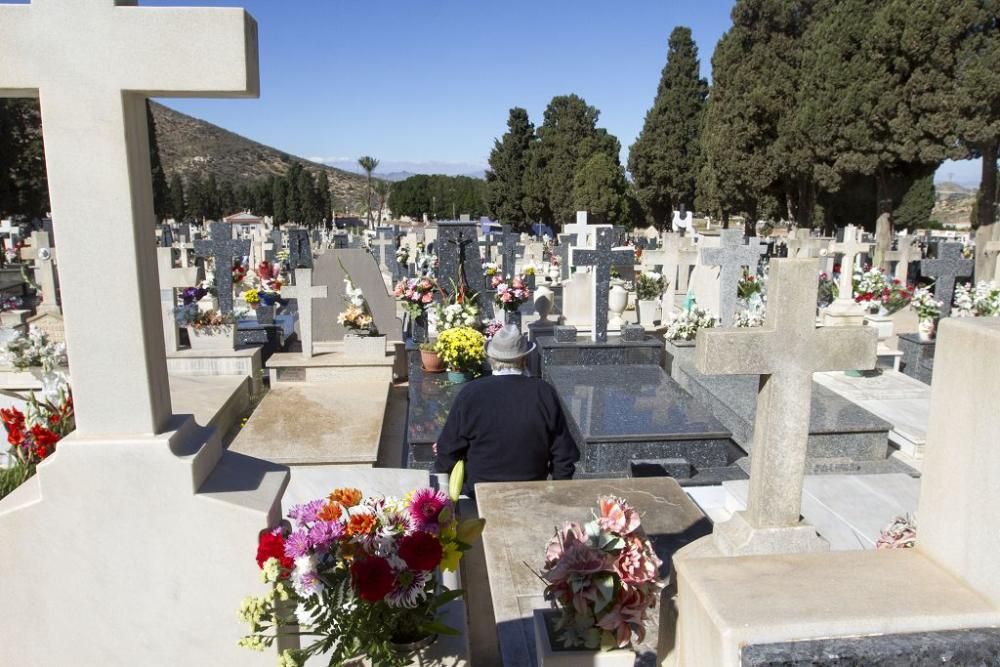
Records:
x=508, y=428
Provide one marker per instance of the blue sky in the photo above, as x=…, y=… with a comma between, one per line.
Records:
x=426, y=86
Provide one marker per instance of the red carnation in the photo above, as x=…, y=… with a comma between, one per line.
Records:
x=372, y=578
x=420, y=550
x=272, y=545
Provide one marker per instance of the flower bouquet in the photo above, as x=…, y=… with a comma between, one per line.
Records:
x=868, y=287
x=32, y=435
x=511, y=293
x=685, y=325
x=463, y=350
x=415, y=295
x=827, y=290
x=357, y=316
x=208, y=329
x=895, y=296
x=402, y=255
x=748, y=287
x=239, y=272
x=453, y=315
x=983, y=300
x=358, y=574
x=491, y=269
x=650, y=286
x=603, y=577
x=928, y=310
x=33, y=350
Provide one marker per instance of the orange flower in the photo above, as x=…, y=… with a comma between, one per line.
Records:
x=331, y=512
x=360, y=524
x=347, y=497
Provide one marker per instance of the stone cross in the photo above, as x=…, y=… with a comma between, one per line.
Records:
x=166, y=236
x=299, y=251
x=668, y=258
x=273, y=246
x=486, y=243
x=801, y=244
x=385, y=244
x=602, y=257
x=172, y=279
x=785, y=353
x=584, y=231
x=510, y=246
x=902, y=257
x=844, y=310
x=993, y=248
x=948, y=266
x=731, y=256
x=44, y=257
x=94, y=63
x=304, y=292
x=222, y=248
x=566, y=242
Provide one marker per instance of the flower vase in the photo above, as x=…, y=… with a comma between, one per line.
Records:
x=551, y=654
x=617, y=302
x=554, y=273
x=512, y=317
x=926, y=328
x=418, y=328
x=649, y=311
x=213, y=339
x=265, y=313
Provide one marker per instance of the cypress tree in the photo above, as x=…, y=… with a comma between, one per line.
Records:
x=196, y=205
x=664, y=160
x=161, y=193
x=508, y=163
x=210, y=198
x=176, y=188
x=279, y=200
x=325, y=197
x=599, y=186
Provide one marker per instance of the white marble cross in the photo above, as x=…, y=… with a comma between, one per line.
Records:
x=584, y=231
x=304, y=292
x=172, y=279
x=93, y=64
x=902, y=256
x=844, y=310
x=785, y=352
x=44, y=257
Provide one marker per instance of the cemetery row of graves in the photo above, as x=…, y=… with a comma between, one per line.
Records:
x=787, y=444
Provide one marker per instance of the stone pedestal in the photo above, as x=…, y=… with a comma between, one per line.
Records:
x=843, y=313
x=918, y=357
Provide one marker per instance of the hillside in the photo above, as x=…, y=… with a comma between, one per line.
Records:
x=189, y=145
x=953, y=204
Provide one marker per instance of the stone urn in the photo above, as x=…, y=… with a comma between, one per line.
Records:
x=648, y=311
x=617, y=303
x=544, y=301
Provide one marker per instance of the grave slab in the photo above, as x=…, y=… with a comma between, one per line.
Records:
x=339, y=421
x=520, y=519
x=245, y=361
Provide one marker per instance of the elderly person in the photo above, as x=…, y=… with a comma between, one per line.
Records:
x=508, y=427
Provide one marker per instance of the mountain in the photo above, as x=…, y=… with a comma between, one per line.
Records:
x=189, y=145
x=953, y=204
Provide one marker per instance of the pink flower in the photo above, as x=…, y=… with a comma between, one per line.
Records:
x=426, y=507
x=637, y=564
x=427, y=298
x=570, y=534
x=578, y=560
x=626, y=617
x=617, y=515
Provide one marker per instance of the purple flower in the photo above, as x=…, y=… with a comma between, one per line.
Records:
x=297, y=544
x=325, y=533
x=306, y=513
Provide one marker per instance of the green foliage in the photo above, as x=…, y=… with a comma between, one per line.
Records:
x=178, y=209
x=23, y=180
x=505, y=189
x=14, y=476
x=914, y=208
x=440, y=197
x=599, y=186
x=665, y=159
x=161, y=193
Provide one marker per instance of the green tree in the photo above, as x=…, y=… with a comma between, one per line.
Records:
x=23, y=180
x=599, y=186
x=665, y=159
x=176, y=188
x=161, y=193
x=308, y=198
x=196, y=204
x=508, y=163
x=279, y=199
x=227, y=198
x=368, y=164
x=210, y=198
x=914, y=208
x=325, y=196
x=293, y=202
x=568, y=137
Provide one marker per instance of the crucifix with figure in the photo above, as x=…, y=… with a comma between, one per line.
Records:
x=93, y=64
x=785, y=353
x=602, y=258
x=44, y=256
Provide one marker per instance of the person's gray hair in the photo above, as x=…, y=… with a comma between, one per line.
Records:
x=517, y=365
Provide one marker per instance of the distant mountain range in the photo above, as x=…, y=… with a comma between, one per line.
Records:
x=189, y=145
x=396, y=176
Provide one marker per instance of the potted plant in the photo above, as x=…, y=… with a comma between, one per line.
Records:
x=602, y=579
x=207, y=329
x=462, y=349
x=511, y=294
x=928, y=309
x=360, y=574
x=649, y=289
x=430, y=361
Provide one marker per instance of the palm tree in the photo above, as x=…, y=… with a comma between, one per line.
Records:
x=368, y=163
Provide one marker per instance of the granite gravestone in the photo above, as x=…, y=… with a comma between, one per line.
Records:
x=511, y=247
x=785, y=353
x=602, y=258
x=731, y=256
x=222, y=249
x=299, y=250
x=384, y=248
x=566, y=241
x=274, y=246
x=304, y=292
x=166, y=236
x=459, y=263
x=330, y=273
x=945, y=269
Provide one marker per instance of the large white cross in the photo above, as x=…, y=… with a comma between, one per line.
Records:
x=304, y=292
x=849, y=248
x=172, y=279
x=784, y=353
x=93, y=64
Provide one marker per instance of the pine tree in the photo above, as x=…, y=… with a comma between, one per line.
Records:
x=325, y=196
x=599, y=187
x=210, y=198
x=665, y=159
x=293, y=204
x=176, y=188
x=508, y=163
x=308, y=199
x=196, y=204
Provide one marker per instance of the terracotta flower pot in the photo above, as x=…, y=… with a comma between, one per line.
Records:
x=431, y=362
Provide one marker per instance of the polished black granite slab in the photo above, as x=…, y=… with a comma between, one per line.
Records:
x=430, y=399
x=843, y=437
x=957, y=648
x=584, y=352
x=918, y=357
x=618, y=415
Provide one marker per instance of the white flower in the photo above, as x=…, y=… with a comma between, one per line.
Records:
x=305, y=579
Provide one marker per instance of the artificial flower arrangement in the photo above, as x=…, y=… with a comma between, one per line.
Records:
x=357, y=316
x=269, y=282
x=8, y=303
x=415, y=294
x=33, y=434
x=511, y=293
x=402, y=255
x=749, y=286
x=983, y=300
x=650, y=286
x=34, y=349
x=462, y=349
x=603, y=577
x=359, y=574
x=752, y=317
x=239, y=272
x=685, y=325
x=900, y=534
x=452, y=315
x=203, y=321
x=491, y=328
x=925, y=305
